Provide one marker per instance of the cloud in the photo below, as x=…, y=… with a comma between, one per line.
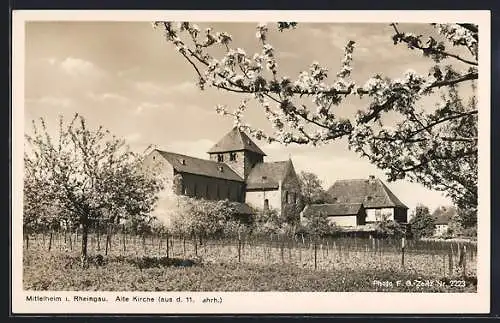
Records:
x=78, y=67
x=285, y=54
x=128, y=71
x=108, y=96
x=146, y=107
x=151, y=88
x=51, y=60
x=372, y=41
x=133, y=137
x=196, y=148
x=55, y=101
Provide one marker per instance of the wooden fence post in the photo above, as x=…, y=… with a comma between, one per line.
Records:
x=463, y=260
x=184, y=245
x=123, y=240
x=403, y=252
x=50, y=240
x=239, y=247
x=98, y=229
x=315, y=255
x=450, y=260
x=282, y=247
x=168, y=245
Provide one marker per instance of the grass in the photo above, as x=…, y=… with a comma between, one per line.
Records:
x=60, y=270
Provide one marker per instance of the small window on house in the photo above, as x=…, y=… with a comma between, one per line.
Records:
x=220, y=158
x=183, y=161
x=266, y=204
x=232, y=156
x=154, y=157
x=221, y=169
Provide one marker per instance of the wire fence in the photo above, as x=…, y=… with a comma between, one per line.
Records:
x=444, y=258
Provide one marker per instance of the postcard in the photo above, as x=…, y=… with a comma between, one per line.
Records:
x=168, y=162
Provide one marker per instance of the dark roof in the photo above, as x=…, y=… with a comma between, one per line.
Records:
x=373, y=193
x=242, y=208
x=198, y=166
x=235, y=140
x=267, y=175
x=334, y=209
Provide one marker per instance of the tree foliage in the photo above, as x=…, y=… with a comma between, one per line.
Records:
x=422, y=223
x=270, y=222
x=311, y=188
x=435, y=147
x=200, y=217
x=84, y=175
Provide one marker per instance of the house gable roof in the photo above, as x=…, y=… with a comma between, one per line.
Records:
x=373, y=193
x=235, y=140
x=333, y=209
x=267, y=175
x=198, y=166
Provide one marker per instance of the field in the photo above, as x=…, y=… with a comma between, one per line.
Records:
x=134, y=263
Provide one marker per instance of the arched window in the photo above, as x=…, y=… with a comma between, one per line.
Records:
x=220, y=158
x=286, y=197
x=232, y=156
x=266, y=204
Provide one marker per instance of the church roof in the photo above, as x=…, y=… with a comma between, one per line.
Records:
x=334, y=209
x=373, y=193
x=267, y=175
x=198, y=166
x=235, y=140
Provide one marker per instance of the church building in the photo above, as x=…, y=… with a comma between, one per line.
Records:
x=235, y=170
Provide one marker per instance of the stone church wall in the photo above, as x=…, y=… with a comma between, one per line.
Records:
x=256, y=199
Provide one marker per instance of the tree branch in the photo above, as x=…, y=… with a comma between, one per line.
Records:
x=431, y=49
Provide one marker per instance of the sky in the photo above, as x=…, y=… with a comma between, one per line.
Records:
x=127, y=78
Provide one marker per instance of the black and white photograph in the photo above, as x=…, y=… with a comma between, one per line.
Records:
x=180, y=162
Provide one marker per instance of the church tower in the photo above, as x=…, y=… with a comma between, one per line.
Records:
x=237, y=151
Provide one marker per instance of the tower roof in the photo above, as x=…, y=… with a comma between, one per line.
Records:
x=235, y=140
